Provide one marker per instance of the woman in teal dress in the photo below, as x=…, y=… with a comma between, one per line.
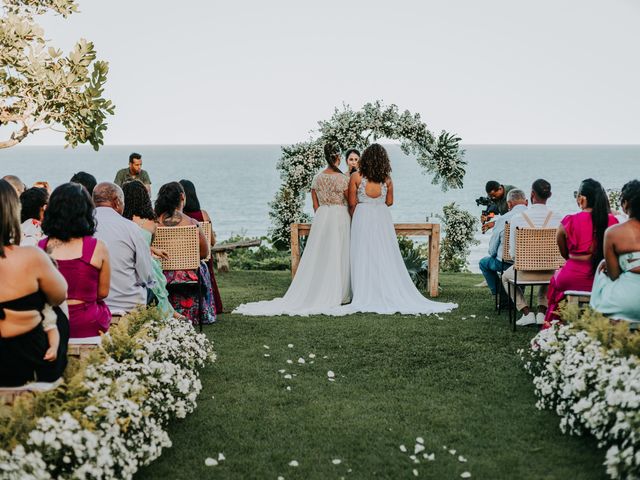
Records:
x=616, y=289
x=137, y=208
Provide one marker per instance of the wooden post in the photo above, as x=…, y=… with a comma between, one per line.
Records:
x=295, y=249
x=434, y=259
x=223, y=261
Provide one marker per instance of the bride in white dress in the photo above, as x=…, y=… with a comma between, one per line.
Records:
x=379, y=278
x=322, y=281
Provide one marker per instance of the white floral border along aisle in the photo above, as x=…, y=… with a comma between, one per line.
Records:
x=112, y=411
x=594, y=388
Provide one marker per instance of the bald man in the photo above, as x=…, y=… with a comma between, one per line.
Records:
x=16, y=183
x=131, y=267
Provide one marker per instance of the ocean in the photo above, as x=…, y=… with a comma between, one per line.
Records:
x=235, y=183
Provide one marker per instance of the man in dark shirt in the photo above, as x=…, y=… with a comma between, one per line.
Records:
x=498, y=195
x=133, y=172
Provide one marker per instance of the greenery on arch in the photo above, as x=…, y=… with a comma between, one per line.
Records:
x=440, y=156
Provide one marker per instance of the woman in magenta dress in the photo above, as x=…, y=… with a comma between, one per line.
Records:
x=192, y=209
x=581, y=240
x=83, y=260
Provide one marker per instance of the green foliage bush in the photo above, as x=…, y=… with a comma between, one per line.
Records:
x=459, y=232
x=264, y=257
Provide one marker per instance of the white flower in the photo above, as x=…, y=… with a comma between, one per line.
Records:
x=403, y=448
x=465, y=475
x=336, y=461
x=330, y=374
x=301, y=361
x=210, y=462
x=293, y=463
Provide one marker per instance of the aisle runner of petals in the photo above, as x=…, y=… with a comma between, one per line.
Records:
x=593, y=390
x=145, y=377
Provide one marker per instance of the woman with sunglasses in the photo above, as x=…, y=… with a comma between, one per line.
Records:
x=581, y=240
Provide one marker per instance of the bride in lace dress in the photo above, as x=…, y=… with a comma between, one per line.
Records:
x=322, y=281
x=379, y=278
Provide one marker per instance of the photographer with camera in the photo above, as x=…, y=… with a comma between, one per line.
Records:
x=495, y=201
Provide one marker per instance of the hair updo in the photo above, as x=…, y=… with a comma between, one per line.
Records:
x=332, y=155
x=631, y=195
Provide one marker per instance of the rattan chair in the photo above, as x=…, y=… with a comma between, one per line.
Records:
x=206, y=229
x=536, y=251
x=506, y=262
x=182, y=245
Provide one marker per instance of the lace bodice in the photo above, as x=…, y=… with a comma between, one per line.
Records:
x=364, y=198
x=330, y=188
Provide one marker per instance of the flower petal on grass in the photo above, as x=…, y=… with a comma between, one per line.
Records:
x=419, y=448
x=420, y=440
x=266, y=346
x=267, y=355
x=301, y=361
x=465, y=475
x=330, y=374
x=210, y=462
x=293, y=463
x=289, y=362
x=461, y=459
x=288, y=376
x=336, y=461
x=281, y=371
x=221, y=457
x=288, y=388
x=403, y=449
x=415, y=472
x=452, y=451
x=429, y=456
x=312, y=355
x=281, y=478
x=290, y=345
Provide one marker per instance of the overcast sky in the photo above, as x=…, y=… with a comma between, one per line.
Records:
x=256, y=71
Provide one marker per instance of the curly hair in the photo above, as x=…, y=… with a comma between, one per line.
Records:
x=137, y=201
x=631, y=195
x=374, y=164
x=31, y=201
x=191, y=204
x=169, y=198
x=70, y=214
x=9, y=217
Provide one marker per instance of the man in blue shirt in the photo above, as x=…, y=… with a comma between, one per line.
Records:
x=491, y=265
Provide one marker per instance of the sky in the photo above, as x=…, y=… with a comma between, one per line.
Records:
x=265, y=72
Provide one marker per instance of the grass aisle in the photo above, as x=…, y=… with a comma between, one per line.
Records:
x=456, y=382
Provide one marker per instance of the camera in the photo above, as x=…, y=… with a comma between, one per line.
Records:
x=486, y=201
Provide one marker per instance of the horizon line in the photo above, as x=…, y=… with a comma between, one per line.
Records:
x=281, y=144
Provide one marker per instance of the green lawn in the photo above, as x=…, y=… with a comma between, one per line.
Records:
x=456, y=382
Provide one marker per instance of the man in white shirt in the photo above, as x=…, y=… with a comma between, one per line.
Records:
x=492, y=264
x=131, y=267
x=536, y=216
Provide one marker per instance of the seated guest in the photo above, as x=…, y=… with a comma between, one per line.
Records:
x=536, y=216
x=183, y=294
x=581, y=243
x=43, y=184
x=85, y=179
x=33, y=202
x=33, y=335
x=491, y=265
x=616, y=289
x=138, y=209
x=16, y=183
x=192, y=209
x=69, y=224
x=131, y=269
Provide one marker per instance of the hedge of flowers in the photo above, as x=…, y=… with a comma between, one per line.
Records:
x=460, y=228
x=109, y=417
x=441, y=156
x=588, y=371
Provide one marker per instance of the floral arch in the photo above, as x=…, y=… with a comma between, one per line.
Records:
x=441, y=157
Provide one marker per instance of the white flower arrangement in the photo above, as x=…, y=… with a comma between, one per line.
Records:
x=441, y=157
x=593, y=389
x=132, y=395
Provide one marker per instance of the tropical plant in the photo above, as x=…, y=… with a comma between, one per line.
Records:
x=40, y=86
x=415, y=258
x=440, y=156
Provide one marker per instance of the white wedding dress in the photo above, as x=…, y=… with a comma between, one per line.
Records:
x=379, y=279
x=322, y=281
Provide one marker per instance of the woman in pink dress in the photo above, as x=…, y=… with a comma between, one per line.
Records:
x=581, y=240
x=83, y=260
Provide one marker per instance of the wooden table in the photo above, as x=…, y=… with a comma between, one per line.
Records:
x=430, y=230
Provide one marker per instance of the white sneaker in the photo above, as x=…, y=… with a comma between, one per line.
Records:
x=482, y=284
x=528, y=319
x=540, y=318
